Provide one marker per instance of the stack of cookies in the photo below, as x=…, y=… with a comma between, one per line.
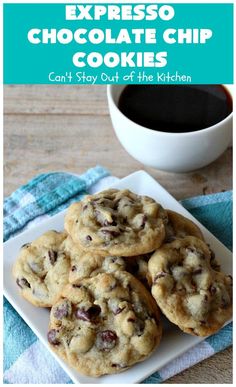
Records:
x=121, y=261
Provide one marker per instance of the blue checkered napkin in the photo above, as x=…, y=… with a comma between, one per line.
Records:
x=24, y=356
x=48, y=193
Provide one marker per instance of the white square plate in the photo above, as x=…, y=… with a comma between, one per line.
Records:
x=174, y=341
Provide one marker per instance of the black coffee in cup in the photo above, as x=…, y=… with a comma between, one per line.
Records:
x=175, y=108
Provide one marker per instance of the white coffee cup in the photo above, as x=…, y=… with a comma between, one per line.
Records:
x=174, y=152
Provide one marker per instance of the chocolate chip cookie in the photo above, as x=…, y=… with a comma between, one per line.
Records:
x=88, y=264
x=42, y=268
x=179, y=227
x=189, y=292
x=117, y=222
x=105, y=324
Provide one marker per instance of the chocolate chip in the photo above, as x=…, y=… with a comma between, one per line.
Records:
x=52, y=337
x=76, y=286
x=106, y=340
x=94, y=311
x=129, y=288
x=161, y=274
x=213, y=262
x=52, y=256
x=144, y=221
x=25, y=245
x=61, y=311
x=212, y=290
x=197, y=271
x=215, y=266
x=35, y=267
x=231, y=279
x=88, y=238
x=194, y=287
x=103, y=221
x=82, y=314
x=122, y=365
x=205, y=297
x=23, y=283
x=88, y=315
x=202, y=322
x=85, y=207
x=139, y=327
x=125, y=220
x=191, y=250
x=106, y=223
x=74, y=268
x=181, y=290
x=68, y=341
x=115, y=207
x=131, y=319
x=118, y=310
x=110, y=233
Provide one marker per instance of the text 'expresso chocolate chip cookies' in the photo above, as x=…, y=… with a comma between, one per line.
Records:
x=105, y=324
x=117, y=222
x=42, y=268
x=188, y=290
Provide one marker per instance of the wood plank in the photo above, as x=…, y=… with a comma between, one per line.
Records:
x=55, y=99
x=214, y=370
x=40, y=143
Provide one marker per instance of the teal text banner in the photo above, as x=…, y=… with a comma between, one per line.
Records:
x=70, y=44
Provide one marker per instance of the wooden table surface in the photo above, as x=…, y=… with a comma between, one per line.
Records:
x=68, y=128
